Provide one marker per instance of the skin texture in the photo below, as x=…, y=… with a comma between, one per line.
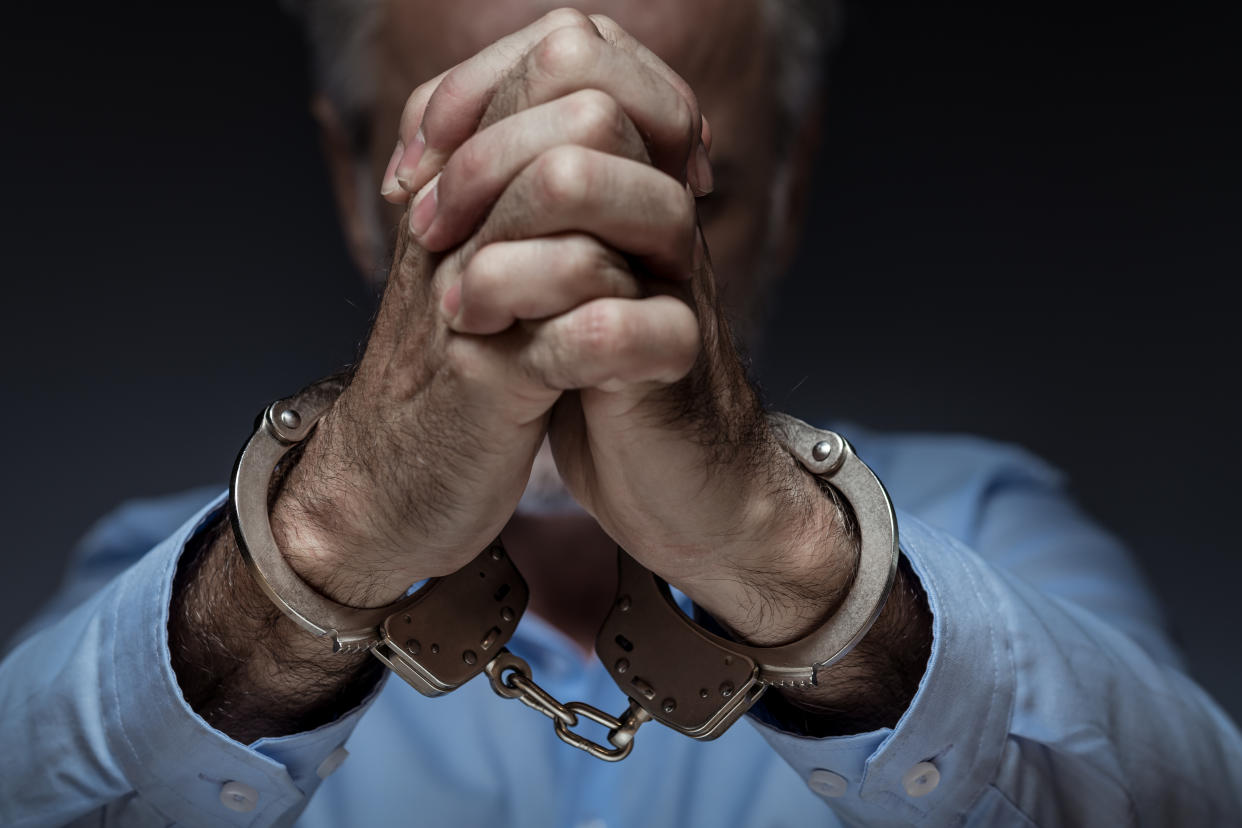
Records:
x=550, y=280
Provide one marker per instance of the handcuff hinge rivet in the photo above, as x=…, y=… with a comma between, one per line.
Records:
x=469, y=657
x=290, y=418
x=821, y=450
x=622, y=665
x=643, y=687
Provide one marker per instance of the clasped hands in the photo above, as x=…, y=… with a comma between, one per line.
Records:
x=550, y=280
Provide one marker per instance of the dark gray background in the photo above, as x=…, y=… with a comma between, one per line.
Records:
x=1023, y=227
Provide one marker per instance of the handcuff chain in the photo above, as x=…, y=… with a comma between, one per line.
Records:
x=510, y=677
x=441, y=636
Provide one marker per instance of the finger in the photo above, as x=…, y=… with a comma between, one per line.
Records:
x=478, y=172
x=613, y=344
x=628, y=205
x=394, y=186
x=570, y=59
x=535, y=279
x=698, y=173
x=456, y=106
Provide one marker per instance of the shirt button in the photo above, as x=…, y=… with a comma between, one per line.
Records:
x=921, y=779
x=334, y=760
x=827, y=783
x=238, y=796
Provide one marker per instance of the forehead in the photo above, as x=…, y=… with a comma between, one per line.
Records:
x=708, y=42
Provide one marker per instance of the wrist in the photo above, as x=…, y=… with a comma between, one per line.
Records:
x=792, y=572
x=240, y=663
x=874, y=685
x=324, y=528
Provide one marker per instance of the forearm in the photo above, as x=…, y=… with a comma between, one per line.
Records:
x=242, y=664
x=92, y=696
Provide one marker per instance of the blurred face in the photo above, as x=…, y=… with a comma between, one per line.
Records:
x=718, y=46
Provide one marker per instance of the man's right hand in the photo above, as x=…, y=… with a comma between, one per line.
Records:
x=424, y=458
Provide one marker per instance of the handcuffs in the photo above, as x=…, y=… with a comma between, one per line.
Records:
x=455, y=627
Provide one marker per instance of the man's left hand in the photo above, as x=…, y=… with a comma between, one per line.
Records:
x=672, y=456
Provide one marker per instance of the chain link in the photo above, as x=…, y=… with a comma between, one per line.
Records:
x=510, y=677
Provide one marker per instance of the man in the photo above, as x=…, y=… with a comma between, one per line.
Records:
x=550, y=281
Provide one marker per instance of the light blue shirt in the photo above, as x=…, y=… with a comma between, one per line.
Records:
x=1052, y=697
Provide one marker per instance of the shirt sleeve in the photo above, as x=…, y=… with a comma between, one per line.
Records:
x=106, y=736
x=1051, y=695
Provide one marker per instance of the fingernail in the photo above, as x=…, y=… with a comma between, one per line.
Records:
x=703, y=171
x=389, y=183
x=450, y=303
x=424, y=210
x=409, y=162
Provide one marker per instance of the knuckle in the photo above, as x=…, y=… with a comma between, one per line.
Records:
x=469, y=163
x=563, y=175
x=602, y=332
x=595, y=117
x=566, y=17
x=564, y=52
x=483, y=275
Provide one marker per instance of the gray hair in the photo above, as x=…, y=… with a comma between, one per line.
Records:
x=339, y=36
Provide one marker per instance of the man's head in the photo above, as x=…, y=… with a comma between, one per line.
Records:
x=755, y=67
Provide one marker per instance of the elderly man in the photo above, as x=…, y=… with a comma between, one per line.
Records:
x=553, y=362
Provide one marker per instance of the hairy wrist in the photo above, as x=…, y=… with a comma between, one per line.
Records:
x=325, y=525
x=808, y=567
x=241, y=664
x=796, y=566
x=873, y=686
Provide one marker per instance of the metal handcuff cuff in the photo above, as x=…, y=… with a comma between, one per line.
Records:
x=455, y=627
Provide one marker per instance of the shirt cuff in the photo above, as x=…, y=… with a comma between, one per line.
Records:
x=946, y=748
x=177, y=762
